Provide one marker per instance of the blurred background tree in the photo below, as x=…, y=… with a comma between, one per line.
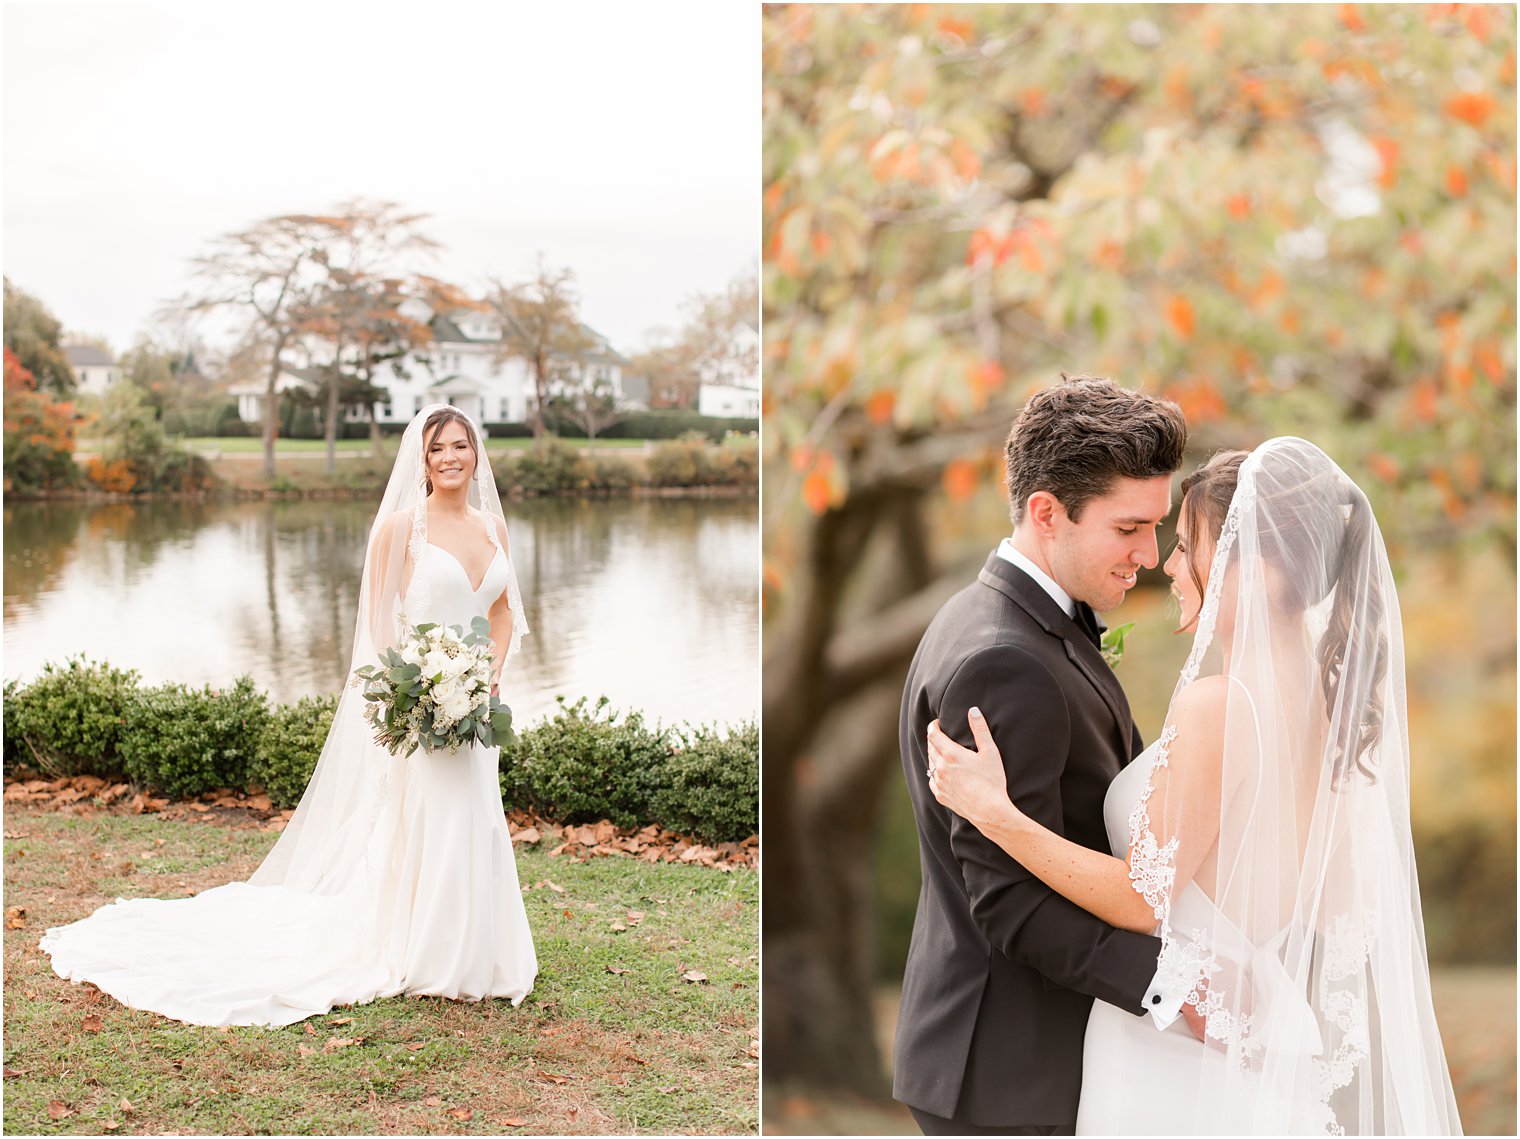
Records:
x=1292, y=220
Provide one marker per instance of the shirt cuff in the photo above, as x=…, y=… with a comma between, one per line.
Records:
x=1164, y=1006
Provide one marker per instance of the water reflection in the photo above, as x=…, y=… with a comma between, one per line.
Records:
x=652, y=602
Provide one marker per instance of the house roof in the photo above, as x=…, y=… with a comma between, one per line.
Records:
x=85, y=354
x=446, y=329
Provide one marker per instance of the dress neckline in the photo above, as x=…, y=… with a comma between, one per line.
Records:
x=454, y=558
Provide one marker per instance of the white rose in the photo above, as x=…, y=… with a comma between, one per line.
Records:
x=436, y=662
x=456, y=705
x=411, y=654
x=458, y=666
x=444, y=689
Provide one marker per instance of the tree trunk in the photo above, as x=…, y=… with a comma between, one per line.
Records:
x=830, y=710
x=330, y=427
x=540, y=393
x=272, y=409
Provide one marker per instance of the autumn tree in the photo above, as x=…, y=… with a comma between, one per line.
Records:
x=1290, y=221
x=540, y=325
x=716, y=342
x=39, y=431
x=34, y=335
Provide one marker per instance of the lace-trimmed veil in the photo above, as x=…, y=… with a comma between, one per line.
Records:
x=1299, y=929
x=335, y=838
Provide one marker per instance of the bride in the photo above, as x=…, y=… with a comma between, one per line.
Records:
x=395, y=875
x=1264, y=836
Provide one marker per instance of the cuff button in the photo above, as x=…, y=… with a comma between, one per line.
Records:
x=1156, y=1000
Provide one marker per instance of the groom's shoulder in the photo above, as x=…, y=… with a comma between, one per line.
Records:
x=978, y=617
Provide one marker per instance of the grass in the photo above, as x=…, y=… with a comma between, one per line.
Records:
x=589, y=1051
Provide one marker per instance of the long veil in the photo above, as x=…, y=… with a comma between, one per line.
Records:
x=1297, y=931
x=336, y=835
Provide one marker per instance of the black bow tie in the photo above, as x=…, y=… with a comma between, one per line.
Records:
x=1088, y=622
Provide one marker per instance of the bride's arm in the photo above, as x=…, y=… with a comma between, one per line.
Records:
x=500, y=616
x=973, y=785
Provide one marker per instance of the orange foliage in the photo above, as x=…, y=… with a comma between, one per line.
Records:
x=1270, y=285
x=115, y=476
x=1109, y=254
x=817, y=491
x=1425, y=401
x=879, y=407
x=960, y=479
x=1289, y=321
x=1388, y=157
x=773, y=194
x=1199, y=400
x=1032, y=101
x=988, y=377
x=1239, y=205
x=1385, y=467
x=1470, y=107
x=1175, y=86
x=1179, y=314
x=822, y=243
x=960, y=29
x=1456, y=181
x=1351, y=19
x=968, y=163
x=1478, y=22
x=1486, y=357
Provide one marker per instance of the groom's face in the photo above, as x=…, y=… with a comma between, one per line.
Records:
x=1096, y=558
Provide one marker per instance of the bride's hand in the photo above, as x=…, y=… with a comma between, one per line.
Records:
x=973, y=784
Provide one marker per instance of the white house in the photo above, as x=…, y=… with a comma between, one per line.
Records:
x=730, y=387
x=459, y=367
x=93, y=368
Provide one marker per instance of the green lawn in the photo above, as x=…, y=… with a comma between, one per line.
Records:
x=589, y=1051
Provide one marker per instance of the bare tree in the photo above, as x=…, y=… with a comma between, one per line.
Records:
x=540, y=324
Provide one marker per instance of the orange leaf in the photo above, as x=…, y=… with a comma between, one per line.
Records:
x=1239, y=205
x=1033, y=102
x=879, y=407
x=1470, y=107
x=961, y=29
x=91, y=1024
x=1456, y=181
x=1351, y=19
x=988, y=376
x=1478, y=22
x=1388, y=156
x=1385, y=467
x=968, y=163
x=1179, y=314
x=817, y=491
x=960, y=479
x=463, y=1114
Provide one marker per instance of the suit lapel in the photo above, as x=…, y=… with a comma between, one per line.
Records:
x=1016, y=585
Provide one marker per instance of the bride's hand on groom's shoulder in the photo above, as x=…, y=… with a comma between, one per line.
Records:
x=972, y=783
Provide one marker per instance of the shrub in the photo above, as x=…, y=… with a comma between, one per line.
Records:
x=671, y=423
x=183, y=741
x=69, y=720
x=686, y=461
x=710, y=786
x=39, y=433
x=550, y=466
x=584, y=765
x=612, y=472
x=290, y=747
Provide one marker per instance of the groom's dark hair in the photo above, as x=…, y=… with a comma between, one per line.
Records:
x=1075, y=438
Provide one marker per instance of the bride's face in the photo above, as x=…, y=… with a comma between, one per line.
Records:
x=1179, y=567
x=450, y=457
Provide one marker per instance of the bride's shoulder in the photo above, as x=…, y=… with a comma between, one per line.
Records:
x=497, y=523
x=1200, y=707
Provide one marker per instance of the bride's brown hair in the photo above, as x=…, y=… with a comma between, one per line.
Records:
x=1206, y=497
x=434, y=426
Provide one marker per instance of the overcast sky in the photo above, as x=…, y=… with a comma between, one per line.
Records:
x=623, y=141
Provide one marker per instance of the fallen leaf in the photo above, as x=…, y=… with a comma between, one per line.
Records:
x=666, y=1091
x=433, y=1101
x=341, y=1020
x=310, y=1029
x=336, y=1042
x=553, y=1079
x=616, y=972
x=306, y=1050
x=110, y=1125
x=463, y=1114
x=695, y=978
x=418, y=1047
x=91, y=1024
x=556, y=888
x=57, y=1110
x=618, y=927
x=528, y=835
x=635, y=916
x=513, y=1122
x=126, y=1105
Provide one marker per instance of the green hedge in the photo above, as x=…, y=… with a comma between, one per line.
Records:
x=552, y=466
x=675, y=422
x=179, y=740
x=69, y=721
x=587, y=762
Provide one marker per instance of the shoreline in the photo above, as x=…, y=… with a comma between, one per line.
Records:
x=95, y=497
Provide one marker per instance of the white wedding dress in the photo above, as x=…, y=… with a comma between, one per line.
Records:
x=433, y=907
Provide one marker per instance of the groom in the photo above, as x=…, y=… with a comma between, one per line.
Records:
x=1001, y=970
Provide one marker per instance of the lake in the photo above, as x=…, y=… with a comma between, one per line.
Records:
x=652, y=602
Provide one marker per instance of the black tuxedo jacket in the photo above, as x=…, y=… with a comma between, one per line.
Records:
x=1002, y=970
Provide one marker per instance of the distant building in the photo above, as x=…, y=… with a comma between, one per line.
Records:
x=460, y=367
x=93, y=367
x=730, y=389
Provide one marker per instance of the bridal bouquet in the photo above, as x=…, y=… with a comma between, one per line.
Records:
x=433, y=689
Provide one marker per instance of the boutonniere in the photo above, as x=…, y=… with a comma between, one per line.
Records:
x=1112, y=646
